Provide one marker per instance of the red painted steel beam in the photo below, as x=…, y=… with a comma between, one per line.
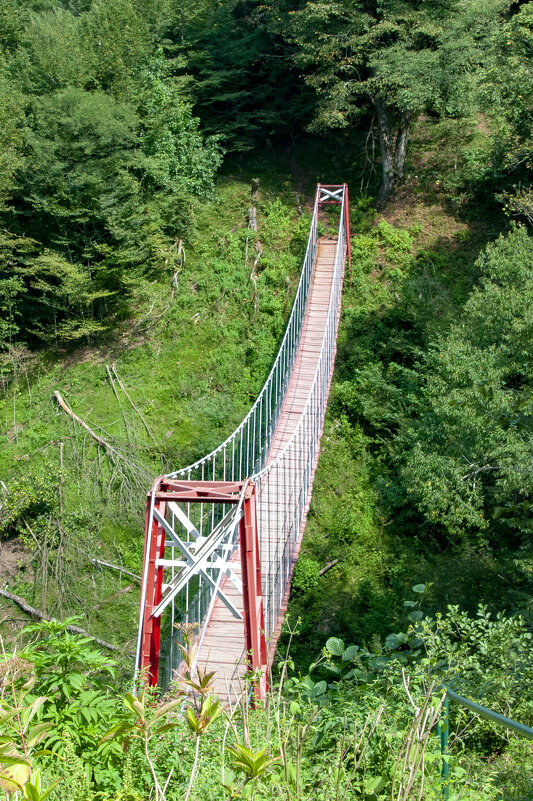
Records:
x=196, y=496
x=153, y=580
x=333, y=202
x=254, y=618
x=200, y=491
x=226, y=486
x=254, y=625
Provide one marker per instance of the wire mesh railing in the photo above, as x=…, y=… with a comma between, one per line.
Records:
x=282, y=485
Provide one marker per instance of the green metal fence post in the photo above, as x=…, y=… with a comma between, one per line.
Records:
x=444, y=732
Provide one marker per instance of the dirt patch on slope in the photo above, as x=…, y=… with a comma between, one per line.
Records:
x=13, y=557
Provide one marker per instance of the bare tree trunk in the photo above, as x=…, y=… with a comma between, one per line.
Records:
x=24, y=605
x=393, y=147
x=386, y=144
x=401, y=145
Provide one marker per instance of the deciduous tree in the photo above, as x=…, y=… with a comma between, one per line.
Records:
x=392, y=59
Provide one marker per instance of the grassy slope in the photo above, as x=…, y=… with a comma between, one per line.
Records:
x=192, y=365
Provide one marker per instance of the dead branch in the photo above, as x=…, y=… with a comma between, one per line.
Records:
x=111, y=450
x=24, y=605
x=114, y=596
x=224, y=239
x=134, y=407
x=115, y=393
x=116, y=567
x=179, y=263
x=252, y=218
x=253, y=274
x=328, y=567
x=126, y=474
x=84, y=425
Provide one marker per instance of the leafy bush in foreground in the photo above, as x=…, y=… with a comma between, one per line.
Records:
x=362, y=724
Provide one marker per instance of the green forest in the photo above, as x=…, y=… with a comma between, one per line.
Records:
x=140, y=315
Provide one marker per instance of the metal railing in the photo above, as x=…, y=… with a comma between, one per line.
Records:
x=282, y=485
x=245, y=451
x=482, y=711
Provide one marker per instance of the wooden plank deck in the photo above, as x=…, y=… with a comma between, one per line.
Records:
x=222, y=649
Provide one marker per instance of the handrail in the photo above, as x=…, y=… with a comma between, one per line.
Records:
x=283, y=484
x=484, y=712
x=265, y=410
x=489, y=714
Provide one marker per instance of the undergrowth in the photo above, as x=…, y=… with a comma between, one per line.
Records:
x=173, y=383
x=361, y=723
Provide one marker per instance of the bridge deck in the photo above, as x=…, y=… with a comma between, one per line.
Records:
x=222, y=650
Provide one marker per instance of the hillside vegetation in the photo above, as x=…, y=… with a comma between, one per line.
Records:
x=139, y=316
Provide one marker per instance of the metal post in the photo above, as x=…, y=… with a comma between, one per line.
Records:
x=444, y=733
x=347, y=229
x=150, y=634
x=254, y=621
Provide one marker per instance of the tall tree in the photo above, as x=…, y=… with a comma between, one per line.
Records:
x=468, y=463
x=508, y=90
x=245, y=87
x=100, y=160
x=393, y=59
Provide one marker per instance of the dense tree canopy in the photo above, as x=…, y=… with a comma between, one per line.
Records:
x=469, y=458
x=392, y=59
x=101, y=159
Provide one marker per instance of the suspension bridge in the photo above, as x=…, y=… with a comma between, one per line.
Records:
x=223, y=535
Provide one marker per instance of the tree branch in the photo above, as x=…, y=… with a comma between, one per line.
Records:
x=116, y=567
x=328, y=567
x=24, y=605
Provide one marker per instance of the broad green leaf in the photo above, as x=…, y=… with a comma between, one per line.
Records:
x=166, y=708
x=294, y=708
x=166, y=727
x=134, y=705
x=37, y=732
x=191, y=720
x=319, y=689
x=373, y=784
x=120, y=728
x=37, y=704
x=7, y=759
x=42, y=796
x=335, y=646
x=349, y=653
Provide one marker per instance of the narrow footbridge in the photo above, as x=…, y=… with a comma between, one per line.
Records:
x=223, y=535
